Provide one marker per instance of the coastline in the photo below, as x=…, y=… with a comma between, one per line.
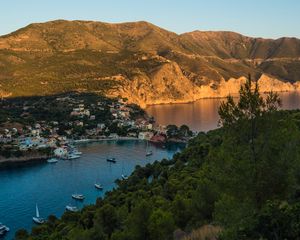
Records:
x=14, y=162
x=234, y=95
x=91, y=140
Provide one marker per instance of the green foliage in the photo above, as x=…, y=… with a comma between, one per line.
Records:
x=243, y=177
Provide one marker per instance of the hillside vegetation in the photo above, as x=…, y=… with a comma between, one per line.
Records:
x=238, y=182
x=140, y=61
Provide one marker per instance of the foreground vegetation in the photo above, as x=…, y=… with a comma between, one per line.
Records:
x=242, y=178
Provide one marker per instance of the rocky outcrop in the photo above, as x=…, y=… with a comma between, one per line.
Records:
x=167, y=84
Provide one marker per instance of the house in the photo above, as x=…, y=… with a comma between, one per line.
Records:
x=145, y=135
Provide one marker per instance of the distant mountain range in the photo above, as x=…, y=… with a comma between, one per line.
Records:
x=142, y=62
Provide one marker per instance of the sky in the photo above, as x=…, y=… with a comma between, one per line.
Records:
x=256, y=18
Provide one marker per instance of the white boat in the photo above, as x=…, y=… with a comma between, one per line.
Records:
x=76, y=152
x=72, y=208
x=37, y=219
x=72, y=156
x=124, y=177
x=149, y=153
x=98, y=186
x=3, y=229
x=52, y=160
x=79, y=197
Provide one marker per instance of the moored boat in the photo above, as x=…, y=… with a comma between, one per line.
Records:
x=52, y=160
x=149, y=153
x=79, y=197
x=37, y=219
x=124, y=177
x=71, y=208
x=113, y=160
x=3, y=229
x=72, y=156
x=98, y=186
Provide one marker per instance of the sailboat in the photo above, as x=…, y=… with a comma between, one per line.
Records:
x=37, y=219
x=3, y=229
x=98, y=186
x=149, y=152
x=124, y=176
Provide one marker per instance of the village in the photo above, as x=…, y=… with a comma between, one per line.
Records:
x=43, y=127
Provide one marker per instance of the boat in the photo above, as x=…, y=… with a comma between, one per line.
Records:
x=72, y=156
x=37, y=219
x=98, y=186
x=52, y=160
x=79, y=197
x=72, y=208
x=3, y=229
x=113, y=160
x=124, y=177
x=76, y=152
x=149, y=153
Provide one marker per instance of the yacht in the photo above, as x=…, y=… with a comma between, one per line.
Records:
x=37, y=219
x=3, y=229
x=113, y=160
x=52, y=160
x=79, y=197
x=72, y=208
x=98, y=186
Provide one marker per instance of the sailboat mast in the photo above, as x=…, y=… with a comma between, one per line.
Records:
x=37, y=211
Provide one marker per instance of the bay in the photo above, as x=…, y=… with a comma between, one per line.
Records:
x=51, y=185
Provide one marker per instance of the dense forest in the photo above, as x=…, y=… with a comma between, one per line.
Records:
x=242, y=180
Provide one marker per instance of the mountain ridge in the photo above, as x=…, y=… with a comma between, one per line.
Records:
x=141, y=61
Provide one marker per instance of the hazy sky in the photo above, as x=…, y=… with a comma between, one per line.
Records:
x=263, y=18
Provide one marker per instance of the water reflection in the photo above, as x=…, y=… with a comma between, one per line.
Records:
x=202, y=115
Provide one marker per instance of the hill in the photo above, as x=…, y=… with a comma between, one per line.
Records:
x=140, y=61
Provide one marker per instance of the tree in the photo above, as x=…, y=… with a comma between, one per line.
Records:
x=161, y=225
x=21, y=234
x=107, y=219
x=172, y=130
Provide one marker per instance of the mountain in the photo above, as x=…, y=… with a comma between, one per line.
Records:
x=140, y=61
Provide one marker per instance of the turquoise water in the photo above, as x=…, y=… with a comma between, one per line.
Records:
x=51, y=185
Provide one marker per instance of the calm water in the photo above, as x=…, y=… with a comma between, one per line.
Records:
x=202, y=115
x=51, y=186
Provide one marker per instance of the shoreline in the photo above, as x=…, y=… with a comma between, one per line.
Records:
x=234, y=95
x=90, y=140
x=16, y=162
